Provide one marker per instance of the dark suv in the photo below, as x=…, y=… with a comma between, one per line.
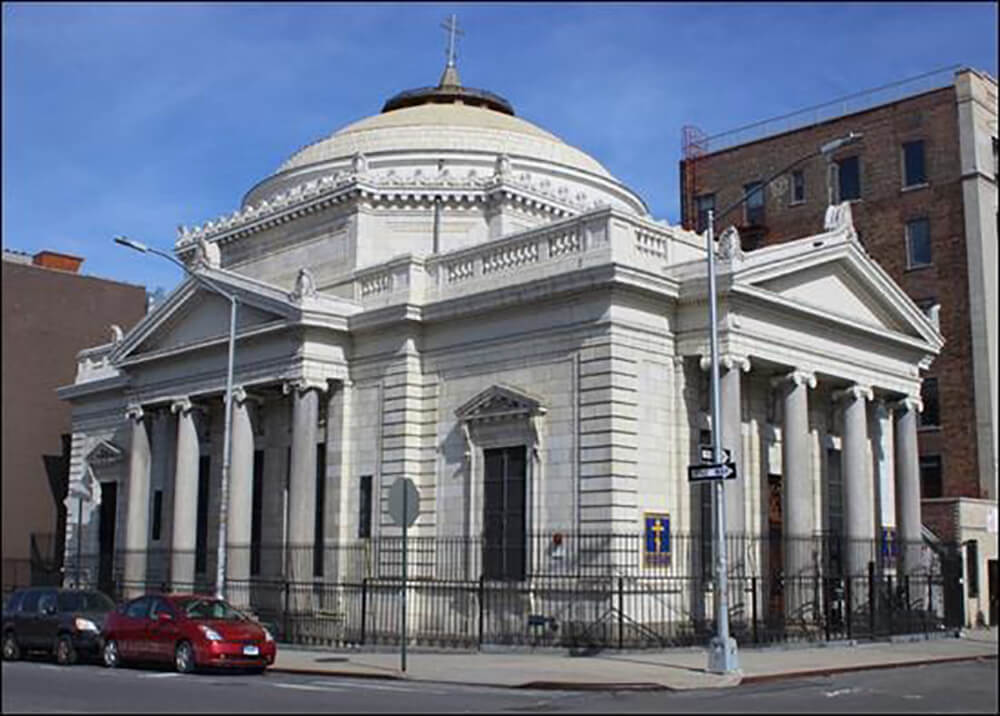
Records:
x=63, y=622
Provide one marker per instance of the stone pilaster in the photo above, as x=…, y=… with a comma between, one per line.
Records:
x=908, y=523
x=859, y=514
x=337, y=474
x=185, y=522
x=137, y=524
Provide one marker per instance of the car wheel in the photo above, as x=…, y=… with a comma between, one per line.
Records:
x=11, y=649
x=112, y=657
x=65, y=651
x=184, y=658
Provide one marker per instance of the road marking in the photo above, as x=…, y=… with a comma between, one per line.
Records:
x=839, y=692
x=307, y=687
x=158, y=676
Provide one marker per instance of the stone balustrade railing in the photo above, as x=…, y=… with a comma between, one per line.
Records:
x=600, y=236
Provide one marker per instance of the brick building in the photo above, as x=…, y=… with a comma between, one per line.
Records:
x=922, y=182
x=50, y=313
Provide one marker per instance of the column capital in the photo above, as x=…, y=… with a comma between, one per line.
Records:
x=182, y=405
x=727, y=362
x=795, y=378
x=854, y=392
x=134, y=411
x=241, y=395
x=908, y=403
x=301, y=385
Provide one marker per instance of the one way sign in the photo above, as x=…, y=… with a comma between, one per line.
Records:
x=697, y=473
x=706, y=454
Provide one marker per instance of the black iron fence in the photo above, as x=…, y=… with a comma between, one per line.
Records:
x=577, y=591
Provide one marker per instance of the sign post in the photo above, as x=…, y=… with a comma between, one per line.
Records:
x=404, y=506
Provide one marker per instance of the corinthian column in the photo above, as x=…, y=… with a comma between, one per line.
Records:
x=732, y=440
x=240, y=513
x=185, y=526
x=302, y=481
x=137, y=525
x=859, y=515
x=797, y=487
x=908, y=483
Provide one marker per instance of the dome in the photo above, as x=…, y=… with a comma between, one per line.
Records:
x=434, y=126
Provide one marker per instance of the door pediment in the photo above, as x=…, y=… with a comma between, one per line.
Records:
x=499, y=403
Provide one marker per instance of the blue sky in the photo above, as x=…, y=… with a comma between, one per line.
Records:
x=125, y=118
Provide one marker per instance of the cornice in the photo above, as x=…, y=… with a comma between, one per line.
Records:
x=388, y=187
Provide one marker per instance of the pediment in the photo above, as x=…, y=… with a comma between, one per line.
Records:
x=105, y=453
x=833, y=289
x=500, y=403
x=204, y=316
x=193, y=314
x=840, y=281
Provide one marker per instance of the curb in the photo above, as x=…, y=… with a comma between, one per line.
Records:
x=765, y=678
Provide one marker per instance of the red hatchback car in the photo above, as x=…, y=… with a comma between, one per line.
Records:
x=191, y=630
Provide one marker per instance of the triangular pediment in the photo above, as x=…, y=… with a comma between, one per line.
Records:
x=833, y=289
x=498, y=403
x=193, y=314
x=835, y=278
x=105, y=453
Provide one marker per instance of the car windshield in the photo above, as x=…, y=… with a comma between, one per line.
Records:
x=211, y=609
x=84, y=602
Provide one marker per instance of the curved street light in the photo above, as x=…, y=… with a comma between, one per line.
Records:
x=722, y=653
x=220, y=573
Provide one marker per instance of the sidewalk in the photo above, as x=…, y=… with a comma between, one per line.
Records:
x=673, y=669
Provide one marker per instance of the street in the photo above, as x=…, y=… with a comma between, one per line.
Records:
x=40, y=687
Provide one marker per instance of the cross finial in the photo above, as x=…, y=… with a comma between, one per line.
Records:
x=451, y=25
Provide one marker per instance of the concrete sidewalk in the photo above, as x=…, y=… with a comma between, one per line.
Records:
x=673, y=669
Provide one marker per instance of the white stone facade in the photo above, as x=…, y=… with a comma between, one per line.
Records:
x=413, y=325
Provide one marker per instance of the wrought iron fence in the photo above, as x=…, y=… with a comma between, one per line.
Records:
x=589, y=591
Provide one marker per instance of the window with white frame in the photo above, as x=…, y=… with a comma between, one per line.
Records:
x=848, y=179
x=918, y=243
x=754, y=192
x=703, y=204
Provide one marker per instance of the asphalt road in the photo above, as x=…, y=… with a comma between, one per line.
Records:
x=39, y=687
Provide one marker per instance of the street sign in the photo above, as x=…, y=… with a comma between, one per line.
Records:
x=707, y=456
x=726, y=471
x=404, y=501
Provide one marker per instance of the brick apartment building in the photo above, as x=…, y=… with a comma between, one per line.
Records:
x=922, y=182
x=50, y=313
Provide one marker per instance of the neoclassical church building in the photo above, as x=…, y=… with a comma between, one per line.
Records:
x=446, y=292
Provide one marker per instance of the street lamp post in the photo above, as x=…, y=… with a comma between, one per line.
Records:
x=722, y=652
x=220, y=573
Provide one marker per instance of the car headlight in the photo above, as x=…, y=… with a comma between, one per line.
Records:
x=82, y=624
x=210, y=633
x=267, y=635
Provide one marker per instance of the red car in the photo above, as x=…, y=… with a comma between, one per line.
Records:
x=191, y=630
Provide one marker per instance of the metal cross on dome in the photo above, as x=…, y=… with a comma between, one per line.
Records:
x=451, y=25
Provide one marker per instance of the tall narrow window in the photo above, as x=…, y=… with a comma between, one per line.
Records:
x=918, y=243
x=754, y=192
x=703, y=204
x=257, y=509
x=798, y=187
x=320, y=510
x=931, y=415
x=365, y=507
x=849, y=179
x=157, y=513
x=914, y=173
x=201, y=529
x=504, y=502
x=930, y=476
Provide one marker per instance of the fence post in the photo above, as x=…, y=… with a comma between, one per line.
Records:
x=826, y=586
x=848, y=605
x=284, y=613
x=753, y=605
x=871, y=599
x=891, y=599
x=621, y=612
x=482, y=594
x=364, y=609
x=930, y=597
